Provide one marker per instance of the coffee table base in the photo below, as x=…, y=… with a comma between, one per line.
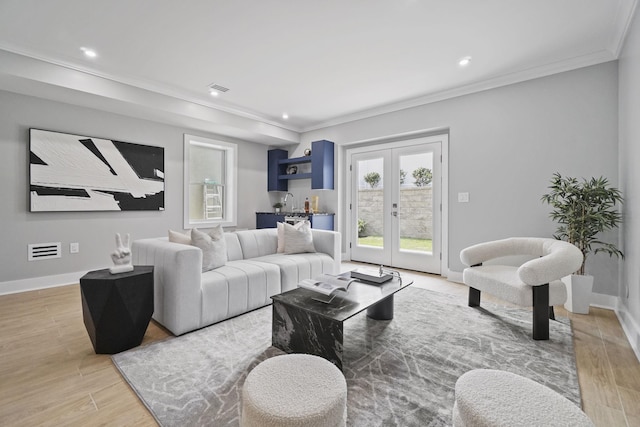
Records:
x=299, y=331
x=382, y=310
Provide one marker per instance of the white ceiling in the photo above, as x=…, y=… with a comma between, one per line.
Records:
x=322, y=62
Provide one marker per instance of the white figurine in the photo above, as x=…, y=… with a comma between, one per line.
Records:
x=121, y=256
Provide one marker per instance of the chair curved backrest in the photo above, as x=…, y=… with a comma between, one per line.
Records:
x=556, y=257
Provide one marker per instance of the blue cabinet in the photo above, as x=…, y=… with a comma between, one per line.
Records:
x=270, y=220
x=322, y=222
x=275, y=169
x=321, y=160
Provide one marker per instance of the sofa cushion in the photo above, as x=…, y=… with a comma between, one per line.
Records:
x=237, y=287
x=256, y=243
x=213, y=246
x=297, y=267
x=234, y=250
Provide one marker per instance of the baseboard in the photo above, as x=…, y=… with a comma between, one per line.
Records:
x=35, y=283
x=630, y=327
x=609, y=302
x=454, y=276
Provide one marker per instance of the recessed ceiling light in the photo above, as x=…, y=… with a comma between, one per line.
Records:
x=285, y=116
x=90, y=53
x=213, y=92
x=463, y=62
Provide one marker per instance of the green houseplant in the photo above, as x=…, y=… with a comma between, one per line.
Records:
x=583, y=210
x=277, y=206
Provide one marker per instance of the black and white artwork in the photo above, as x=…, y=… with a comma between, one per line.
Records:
x=82, y=173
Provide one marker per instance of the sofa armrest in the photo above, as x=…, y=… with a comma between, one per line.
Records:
x=328, y=242
x=177, y=282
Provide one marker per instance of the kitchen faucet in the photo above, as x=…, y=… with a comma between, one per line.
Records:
x=285, y=200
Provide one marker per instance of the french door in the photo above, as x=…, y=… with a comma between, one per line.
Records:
x=396, y=204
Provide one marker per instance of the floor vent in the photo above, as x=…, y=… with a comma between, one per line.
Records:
x=38, y=251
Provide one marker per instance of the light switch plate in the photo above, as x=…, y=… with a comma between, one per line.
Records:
x=463, y=197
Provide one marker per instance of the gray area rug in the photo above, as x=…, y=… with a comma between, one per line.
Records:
x=399, y=373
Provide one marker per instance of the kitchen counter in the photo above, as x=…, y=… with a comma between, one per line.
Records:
x=320, y=220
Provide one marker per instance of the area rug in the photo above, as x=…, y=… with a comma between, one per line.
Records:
x=399, y=373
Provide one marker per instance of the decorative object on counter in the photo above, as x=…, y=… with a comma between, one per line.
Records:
x=277, y=206
x=315, y=204
x=306, y=205
x=307, y=152
x=292, y=170
x=121, y=257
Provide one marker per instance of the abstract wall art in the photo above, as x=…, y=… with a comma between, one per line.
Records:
x=82, y=173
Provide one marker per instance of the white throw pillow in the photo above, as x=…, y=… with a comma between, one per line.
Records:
x=177, y=237
x=213, y=246
x=280, y=226
x=298, y=238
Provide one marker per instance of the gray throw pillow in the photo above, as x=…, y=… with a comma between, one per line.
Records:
x=213, y=246
x=298, y=239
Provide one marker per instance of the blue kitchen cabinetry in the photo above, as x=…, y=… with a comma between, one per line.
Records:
x=321, y=221
x=321, y=160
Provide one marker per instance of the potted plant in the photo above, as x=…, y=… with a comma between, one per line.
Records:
x=277, y=206
x=583, y=209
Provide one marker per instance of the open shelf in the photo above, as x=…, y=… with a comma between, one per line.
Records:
x=295, y=160
x=295, y=176
x=320, y=160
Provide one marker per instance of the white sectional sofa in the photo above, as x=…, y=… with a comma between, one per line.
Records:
x=187, y=299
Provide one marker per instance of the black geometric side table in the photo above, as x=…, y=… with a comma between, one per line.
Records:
x=117, y=307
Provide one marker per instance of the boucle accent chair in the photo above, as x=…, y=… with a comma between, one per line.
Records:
x=536, y=283
x=490, y=398
x=294, y=390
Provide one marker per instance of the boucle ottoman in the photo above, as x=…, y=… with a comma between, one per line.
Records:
x=294, y=390
x=485, y=397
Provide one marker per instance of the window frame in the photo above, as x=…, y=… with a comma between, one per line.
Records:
x=229, y=201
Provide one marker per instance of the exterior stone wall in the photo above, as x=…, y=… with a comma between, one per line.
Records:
x=415, y=211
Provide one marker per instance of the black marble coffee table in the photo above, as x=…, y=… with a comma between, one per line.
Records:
x=302, y=324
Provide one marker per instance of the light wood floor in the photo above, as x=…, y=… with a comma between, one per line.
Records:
x=49, y=374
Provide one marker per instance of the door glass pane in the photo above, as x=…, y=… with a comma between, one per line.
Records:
x=415, y=204
x=370, y=202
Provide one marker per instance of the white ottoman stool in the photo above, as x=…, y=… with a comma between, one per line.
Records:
x=294, y=390
x=485, y=397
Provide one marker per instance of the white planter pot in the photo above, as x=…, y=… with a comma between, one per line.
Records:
x=578, y=293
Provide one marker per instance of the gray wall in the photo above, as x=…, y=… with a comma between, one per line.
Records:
x=630, y=176
x=504, y=145
x=95, y=230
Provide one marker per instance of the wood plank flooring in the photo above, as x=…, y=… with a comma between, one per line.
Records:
x=49, y=374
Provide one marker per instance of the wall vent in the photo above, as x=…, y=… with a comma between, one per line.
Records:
x=38, y=251
x=219, y=88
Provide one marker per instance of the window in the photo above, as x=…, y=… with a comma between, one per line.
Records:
x=210, y=175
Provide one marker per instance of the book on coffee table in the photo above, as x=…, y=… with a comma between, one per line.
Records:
x=372, y=275
x=327, y=284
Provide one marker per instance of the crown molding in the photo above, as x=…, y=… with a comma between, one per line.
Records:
x=490, y=83
x=624, y=17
